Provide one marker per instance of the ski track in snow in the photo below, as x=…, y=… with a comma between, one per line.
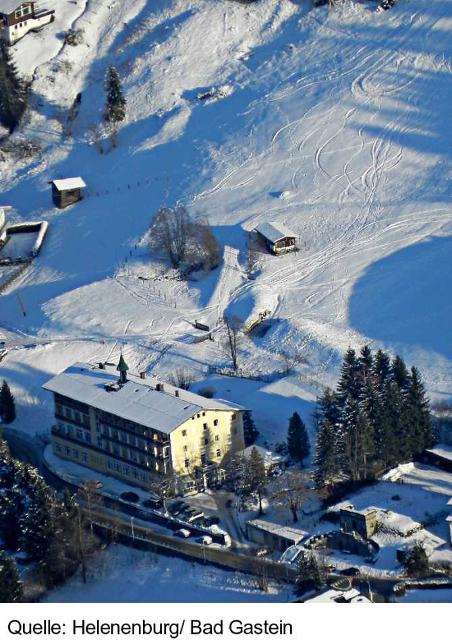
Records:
x=324, y=125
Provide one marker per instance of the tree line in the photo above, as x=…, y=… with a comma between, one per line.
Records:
x=378, y=417
x=50, y=531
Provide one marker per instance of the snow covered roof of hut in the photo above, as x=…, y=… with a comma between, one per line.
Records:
x=273, y=232
x=8, y=6
x=66, y=184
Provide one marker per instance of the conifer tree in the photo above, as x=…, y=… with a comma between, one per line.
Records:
x=326, y=459
x=399, y=373
x=419, y=406
x=10, y=584
x=115, y=106
x=310, y=573
x=13, y=90
x=257, y=476
x=350, y=380
x=365, y=363
x=297, y=439
x=381, y=370
x=250, y=432
x=7, y=406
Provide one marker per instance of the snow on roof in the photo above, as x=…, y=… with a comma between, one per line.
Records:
x=137, y=400
x=334, y=595
x=442, y=452
x=8, y=6
x=267, y=455
x=288, y=533
x=362, y=512
x=69, y=183
x=392, y=521
x=274, y=232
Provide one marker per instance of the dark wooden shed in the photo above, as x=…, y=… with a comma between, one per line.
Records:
x=67, y=191
x=278, y=239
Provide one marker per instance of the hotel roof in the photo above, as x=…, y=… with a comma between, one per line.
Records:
x=148, y=401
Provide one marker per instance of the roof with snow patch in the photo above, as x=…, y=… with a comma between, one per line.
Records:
x=69, y=183
x=274, y=232
x=138, y=400
x=8, y=6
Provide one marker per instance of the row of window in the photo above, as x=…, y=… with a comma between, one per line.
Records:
x=72, y=414
x=121, y=436
x=22, y=12
x=128, y=425
x=82, y=456
x=125, y=470
x=203, y=458
x=74, y=432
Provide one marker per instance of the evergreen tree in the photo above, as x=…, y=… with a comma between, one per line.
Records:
x=399, y=373
x=7, y=406
x=115, y=107
x=419, y=407
x=250, y=432
x=297, y=439
x=326, y=459
x=381, y=370
x=350, y=379
x=365, y=363
x=416, y=562
x=10, y=584
x=36, y=524
x=13, y=90
x=310, y=573
x=257, y=476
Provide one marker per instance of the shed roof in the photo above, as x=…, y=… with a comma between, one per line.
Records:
x=69, y=183
x=274, y=232
x=137, y=400
x=8, y=6
x=288, y=533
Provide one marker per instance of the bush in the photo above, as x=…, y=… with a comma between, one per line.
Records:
x=74, y=37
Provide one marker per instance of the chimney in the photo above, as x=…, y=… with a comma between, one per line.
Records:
x=159, y=386
x=176, y=393
x=101, y=365
x=143, y=375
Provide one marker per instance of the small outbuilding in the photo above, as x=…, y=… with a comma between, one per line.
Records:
x=278, y=238
x=67, y=191
x=362, y=521
x=272, y=535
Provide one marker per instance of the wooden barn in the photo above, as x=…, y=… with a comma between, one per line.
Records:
x=67, y=191
x=277, y=238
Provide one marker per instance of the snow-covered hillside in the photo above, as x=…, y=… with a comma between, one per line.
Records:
x=336, y=124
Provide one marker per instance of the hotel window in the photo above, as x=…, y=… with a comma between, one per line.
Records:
x=185, y=447
x=218, y=453
x=84, y=457
x=187, y=463
x=215, y=422
x=198, y=415
x=234, y=416
x=75, y=453
x=184, y=432
x=67, y=412
x=79, y=434
x=85, y=419
x=204, y=426
x=217, y=438
x=203, y=413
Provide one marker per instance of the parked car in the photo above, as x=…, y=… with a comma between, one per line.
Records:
x=182, y=533
x=152, y=503
x=211, y=520
x=350, y=571
x=130, y=496
x=205, y=540
x=193, y=515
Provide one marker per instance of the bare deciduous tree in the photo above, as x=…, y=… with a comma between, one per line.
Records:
x=164, y=487
x=291, y=490
x=187, y=243
x=234, y=334
x=181, y=378
x=170, y=233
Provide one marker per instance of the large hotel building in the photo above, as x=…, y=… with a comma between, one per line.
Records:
x=137, y=428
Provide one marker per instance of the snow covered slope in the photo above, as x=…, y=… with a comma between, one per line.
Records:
x=334, y=123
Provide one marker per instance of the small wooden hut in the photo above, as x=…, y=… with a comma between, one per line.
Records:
x=67, y=191
x=277, y=238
